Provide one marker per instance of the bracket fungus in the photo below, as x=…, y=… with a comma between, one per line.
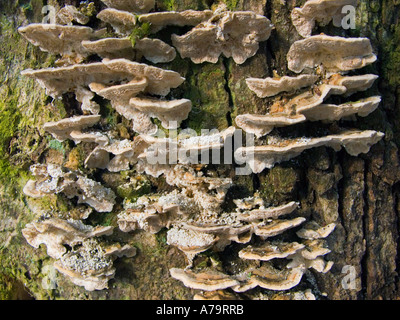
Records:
x=78, y=78
x=252, y=214
x=296, y=108
x=233, y=34
x=55, y=233
x=270, y=87
x=160, y=81
x=332, y=112
x=170, y=113
x=159, y=20
x=91, y=265
x=308, y=106
x=181, y=150
x=59, y=39
x=111, y=48
x=137, y=6
x=154, y=50
x=313, y=231
x=207, y=281
x=123, y=22
x=261, y=125
x=269, y=251
x=266, y=156
x=69, y=14
x=196, y=203
x=62, y=80
x=353, y=83
x=125, y=152
x=61, y=130
x=189, y=241
x=321, y=11
x=51, y=179
x=334, y=53
x=266, y=277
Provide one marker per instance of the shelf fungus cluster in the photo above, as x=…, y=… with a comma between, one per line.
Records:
x=326, y=63
x=276, y=246
x=193, y=236
x=136, y=90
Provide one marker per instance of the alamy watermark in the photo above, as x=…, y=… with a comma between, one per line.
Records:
x=49, y=281
x=50, y=14
x=349, y=20
x=350, y=281
x=208, y=147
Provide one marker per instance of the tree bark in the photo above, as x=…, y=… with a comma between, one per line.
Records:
x=360, y=194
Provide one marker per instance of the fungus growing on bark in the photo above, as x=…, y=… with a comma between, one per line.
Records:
x=270, y=87
x=313, y=231
x=266, y=277
x=137, y=6
x=122, y=92
x=270, y=278
x=68, y=14
x=61, y=130
x=332, y=112
x=52, y=179
x=89, y=266
x=206, y=280
x=122, y=22
x=55, y=233
x=334, y=53
x=97, y=76
x=198, y=213
x=59, y=39
x=321, y=11
x=353, y=83
x=266, y=156
x=170, y=113
x=111, y=48
x=159, y=20
x=270, y=250
x=233, y=34
x=67, y=79
x=154, y=50
x=190, y=242
x=261, y=125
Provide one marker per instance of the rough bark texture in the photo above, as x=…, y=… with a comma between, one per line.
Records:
x=361, y=194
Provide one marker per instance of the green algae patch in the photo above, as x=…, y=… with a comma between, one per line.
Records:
x=231, y=4
x=167, y=5
x=209, y=97
x=278, y=185
x=141, y=30
x=134, y=189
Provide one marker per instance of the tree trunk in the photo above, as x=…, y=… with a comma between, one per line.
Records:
x=360, y=194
